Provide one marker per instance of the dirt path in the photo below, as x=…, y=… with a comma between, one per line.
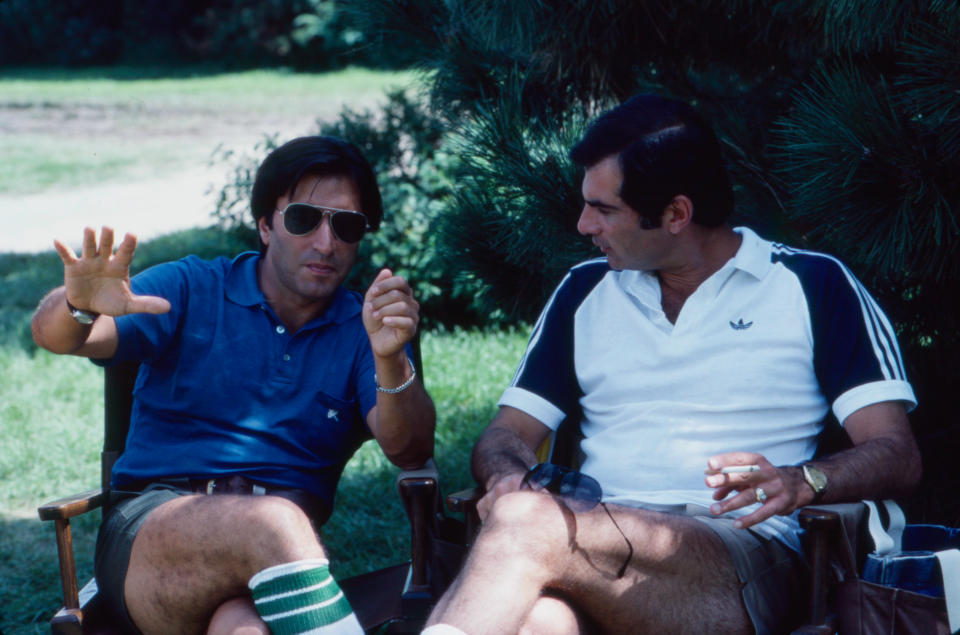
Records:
x=146, y=205
x=176, y=193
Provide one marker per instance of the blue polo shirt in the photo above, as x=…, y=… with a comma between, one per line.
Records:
x=225, y=388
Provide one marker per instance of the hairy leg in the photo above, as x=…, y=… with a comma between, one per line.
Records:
x=194, y=553
x=530, y=543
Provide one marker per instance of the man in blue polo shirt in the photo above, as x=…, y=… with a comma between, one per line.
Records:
x=690, y=347
x=260, y=376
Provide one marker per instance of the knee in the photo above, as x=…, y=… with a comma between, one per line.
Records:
x=279, y=526
x=525, y=525
x=551, y=615
x=237, y=616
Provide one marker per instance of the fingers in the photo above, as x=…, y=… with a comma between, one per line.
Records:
x=106, y=243
x=390, y=300
x=88, y=247
x=148, y=304
x=66, y=254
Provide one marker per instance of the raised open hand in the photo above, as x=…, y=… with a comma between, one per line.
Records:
x=99, y=280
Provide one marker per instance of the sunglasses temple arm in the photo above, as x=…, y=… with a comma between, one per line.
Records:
x=623, y=567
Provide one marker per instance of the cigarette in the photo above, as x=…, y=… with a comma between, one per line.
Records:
x=734, y=469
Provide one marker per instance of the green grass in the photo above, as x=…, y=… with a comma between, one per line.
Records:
x=70, y=128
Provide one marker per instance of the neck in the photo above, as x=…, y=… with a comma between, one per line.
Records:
x=706, y=251
x=293, y=310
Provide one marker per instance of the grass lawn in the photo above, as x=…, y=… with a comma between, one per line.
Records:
x=69, y=128
x=51, y=409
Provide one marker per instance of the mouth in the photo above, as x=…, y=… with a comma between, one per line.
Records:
x=320, y=269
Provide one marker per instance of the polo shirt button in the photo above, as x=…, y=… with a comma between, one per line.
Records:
x=286, y=358
x=281, y=330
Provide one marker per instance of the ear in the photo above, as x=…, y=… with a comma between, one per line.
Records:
x=264, y=230
x=678, y=214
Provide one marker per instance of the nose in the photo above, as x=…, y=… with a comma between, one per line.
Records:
x=322, y=238
x=587, y=223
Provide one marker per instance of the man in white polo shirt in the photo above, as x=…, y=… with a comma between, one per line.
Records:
x=690, y=347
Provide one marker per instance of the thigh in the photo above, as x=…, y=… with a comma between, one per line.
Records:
x=114, y=543
x=679, y=578
x=195, y=552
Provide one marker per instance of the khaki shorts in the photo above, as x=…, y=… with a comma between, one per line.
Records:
x=774, y=577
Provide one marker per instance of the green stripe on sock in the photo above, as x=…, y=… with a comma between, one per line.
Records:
x=314, y=618
x=291, y=602
x=291, y=582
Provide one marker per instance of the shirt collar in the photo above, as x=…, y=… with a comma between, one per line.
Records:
x=242, y=287
x=753, y=256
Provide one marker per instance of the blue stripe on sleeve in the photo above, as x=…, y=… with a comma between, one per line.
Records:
x=854, y=342
x=547, y=368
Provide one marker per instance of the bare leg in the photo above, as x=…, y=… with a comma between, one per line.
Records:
x=237, y=617
x=551, y=616
x=530, y=543
x=194, y=553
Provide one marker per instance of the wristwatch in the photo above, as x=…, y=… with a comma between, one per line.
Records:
x=83, y=317
x=816, y=479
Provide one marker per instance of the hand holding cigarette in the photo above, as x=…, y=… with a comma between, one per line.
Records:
x=733, y=469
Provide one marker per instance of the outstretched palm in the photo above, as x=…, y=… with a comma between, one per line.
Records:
x=99, y=280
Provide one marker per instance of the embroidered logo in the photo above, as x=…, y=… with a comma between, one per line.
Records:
x=739, y=325
x=332, y=414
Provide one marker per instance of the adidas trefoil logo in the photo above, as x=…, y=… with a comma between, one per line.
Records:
x=332, y=414
x=739, y=325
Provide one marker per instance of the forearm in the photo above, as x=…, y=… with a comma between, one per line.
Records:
x=499, y=452
x=884, y=467
x=54, y=329
x=405, y=421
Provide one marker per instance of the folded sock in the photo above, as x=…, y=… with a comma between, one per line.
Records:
x=302, y=598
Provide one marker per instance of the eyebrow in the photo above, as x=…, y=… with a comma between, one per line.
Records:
x=598, y=203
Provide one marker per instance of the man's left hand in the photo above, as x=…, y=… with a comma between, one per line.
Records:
x=390, y=314
x=779, y=490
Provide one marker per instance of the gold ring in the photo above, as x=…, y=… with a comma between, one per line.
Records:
x=761, y=495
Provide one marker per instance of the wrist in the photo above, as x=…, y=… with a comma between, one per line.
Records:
x=81, y=316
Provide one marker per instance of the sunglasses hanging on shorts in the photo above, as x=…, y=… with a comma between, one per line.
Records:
x=576, y=490
x=299, y=219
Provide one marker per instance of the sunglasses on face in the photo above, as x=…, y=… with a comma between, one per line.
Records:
x=299, y=219
x=579, y=492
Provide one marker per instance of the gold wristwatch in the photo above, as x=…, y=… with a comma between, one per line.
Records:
x=816, y=479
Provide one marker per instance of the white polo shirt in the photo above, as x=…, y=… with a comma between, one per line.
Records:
x=759, y=354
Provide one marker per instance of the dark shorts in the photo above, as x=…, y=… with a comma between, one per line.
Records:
x=126, y=513
x=774, y=578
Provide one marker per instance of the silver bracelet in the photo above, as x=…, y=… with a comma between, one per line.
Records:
x=401, y=387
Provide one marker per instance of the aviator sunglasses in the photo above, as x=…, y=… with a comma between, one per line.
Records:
x=299, y=219
x=577, y=491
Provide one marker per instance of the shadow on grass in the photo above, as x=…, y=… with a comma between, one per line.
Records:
x=30, y=591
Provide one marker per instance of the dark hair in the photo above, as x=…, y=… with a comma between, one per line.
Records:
x=283, y=169
x=665, y=149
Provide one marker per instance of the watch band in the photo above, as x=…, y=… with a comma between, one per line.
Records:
x=81, y=316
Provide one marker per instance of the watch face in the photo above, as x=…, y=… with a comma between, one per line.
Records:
x=816, y=478
x=82, y=317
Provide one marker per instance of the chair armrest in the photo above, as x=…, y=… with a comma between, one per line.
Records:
x=71, y=506
x=61, y=511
